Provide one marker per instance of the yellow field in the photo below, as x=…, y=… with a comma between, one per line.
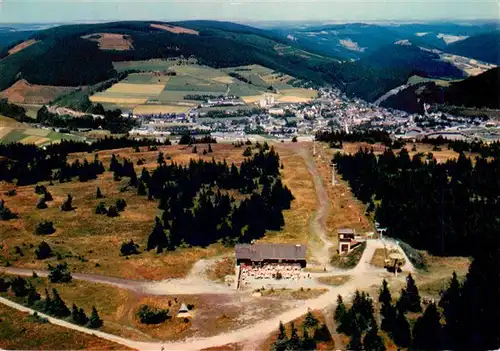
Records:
x=293, y=99
x=143, y=89
x=224, y=80
x=300, y=92
x=4, y=121
x=155, y=109
x=114, y=100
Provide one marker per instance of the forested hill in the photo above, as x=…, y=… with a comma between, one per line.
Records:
x=477, y=91
x=62, y=57
x=484, y=47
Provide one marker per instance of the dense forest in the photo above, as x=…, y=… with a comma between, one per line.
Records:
x=197, y=209
x=28, y=164
x=336, y=138
x=444, y=208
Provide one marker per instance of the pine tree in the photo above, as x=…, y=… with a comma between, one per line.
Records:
x=47, y=196
x=120, y=205
x=340, y=310
x=195, y=150
x=99, y=194
x=385, y=294
x=141, y=189
x=428, y=331
x=94, y=321
x=74, y=314
x=210, y=148
x=33, y=295
x=67, y=204
x=5, y=213
x=450, y=302
x=157, y=239
x=160, y=160
x=58, y=308
x=82, y=317
x=389, y=315
x=41, y=204
x=112, y=212
x=308, y=342
x=401, y=333
x=247, y=152
x=294, y=341
x=101, y=209
x=372, y=341
x=311, y=321
x=43, y=251
x=19, y=287
x=47, y=302
x=59, y=273
x=355, y=341
x=410, y=298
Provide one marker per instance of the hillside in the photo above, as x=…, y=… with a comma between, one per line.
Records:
x=73, y=55
x=480, y=92
x=484, y=47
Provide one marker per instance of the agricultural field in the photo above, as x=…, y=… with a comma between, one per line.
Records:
x=154, y=87
x=17, y=133
x=22, y=92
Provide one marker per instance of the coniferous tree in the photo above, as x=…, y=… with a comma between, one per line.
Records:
x=41, y=204
x=294, y=342
x=428, y=331
x=57, y=307
x=210, y=148
x=401, y=333
x=43, y=251
x=355, y=343
x=95, y=321
x=99, y=194
x=308, y=343
x=47, y=302
x=101, y=209
x=47, y=196
x=385, y=295
x=67, y=205
x=60, y=273
x=410, y=298
x=112, y=212
x=195, y=150
x=160, y=159
x=282, y=341
x=389, y=315
x=372, y=341
x=141, y=189
x=19, y=287
x=74, y=314
x=120, y=205
x=45, y=228
x=451, y=300
x=5, y=213
x=82, y=317
x=129, y=248
x=33, y=296
x=4, y=285
x=322, y=333
x=311, y=321
x=157, y=239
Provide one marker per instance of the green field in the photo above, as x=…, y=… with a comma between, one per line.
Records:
x=140, y=90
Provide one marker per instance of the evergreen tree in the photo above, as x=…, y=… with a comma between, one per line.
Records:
x=59, y=273
x=247, y=152
x=308, y=343
x=67, y=204
x=340, y=310
x=129, y=248
x=389, y=315
x=372, y=341
x=47, y=196
x=33, y=296
x=410, y=298
x=157, y=239
x=75, y=317
x=95, y=321
x=385, y=295
x=195, y=150
x=210, y=148
x=101, y=209
x=428, y=331
x=47, y=302
x=322, y=333
x=355, y=340
x=120, y=205
x=99, y=194
x=4, y=285
x=311, y=321
x=141, y=189
x=161, y=159
x=294, y=342
x=282, y=341
x=112, y=212
x=82, y=317
x=401, y=333
x=41, y=204
x=5, y=213
x=19, y=287
x=452, y=311
x=45, y=228
x=57, y=307
x=43, y=251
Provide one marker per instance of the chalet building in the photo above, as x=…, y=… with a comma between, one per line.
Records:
x=347, y=240
x=260, y=254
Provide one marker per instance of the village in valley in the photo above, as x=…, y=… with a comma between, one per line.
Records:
x=208, y=185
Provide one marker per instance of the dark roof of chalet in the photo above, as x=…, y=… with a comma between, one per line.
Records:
x=345, y=231
x=260, y=252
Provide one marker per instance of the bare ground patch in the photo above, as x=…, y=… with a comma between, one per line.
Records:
x=22, y=92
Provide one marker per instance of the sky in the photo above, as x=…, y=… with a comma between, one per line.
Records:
x=41, y=11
